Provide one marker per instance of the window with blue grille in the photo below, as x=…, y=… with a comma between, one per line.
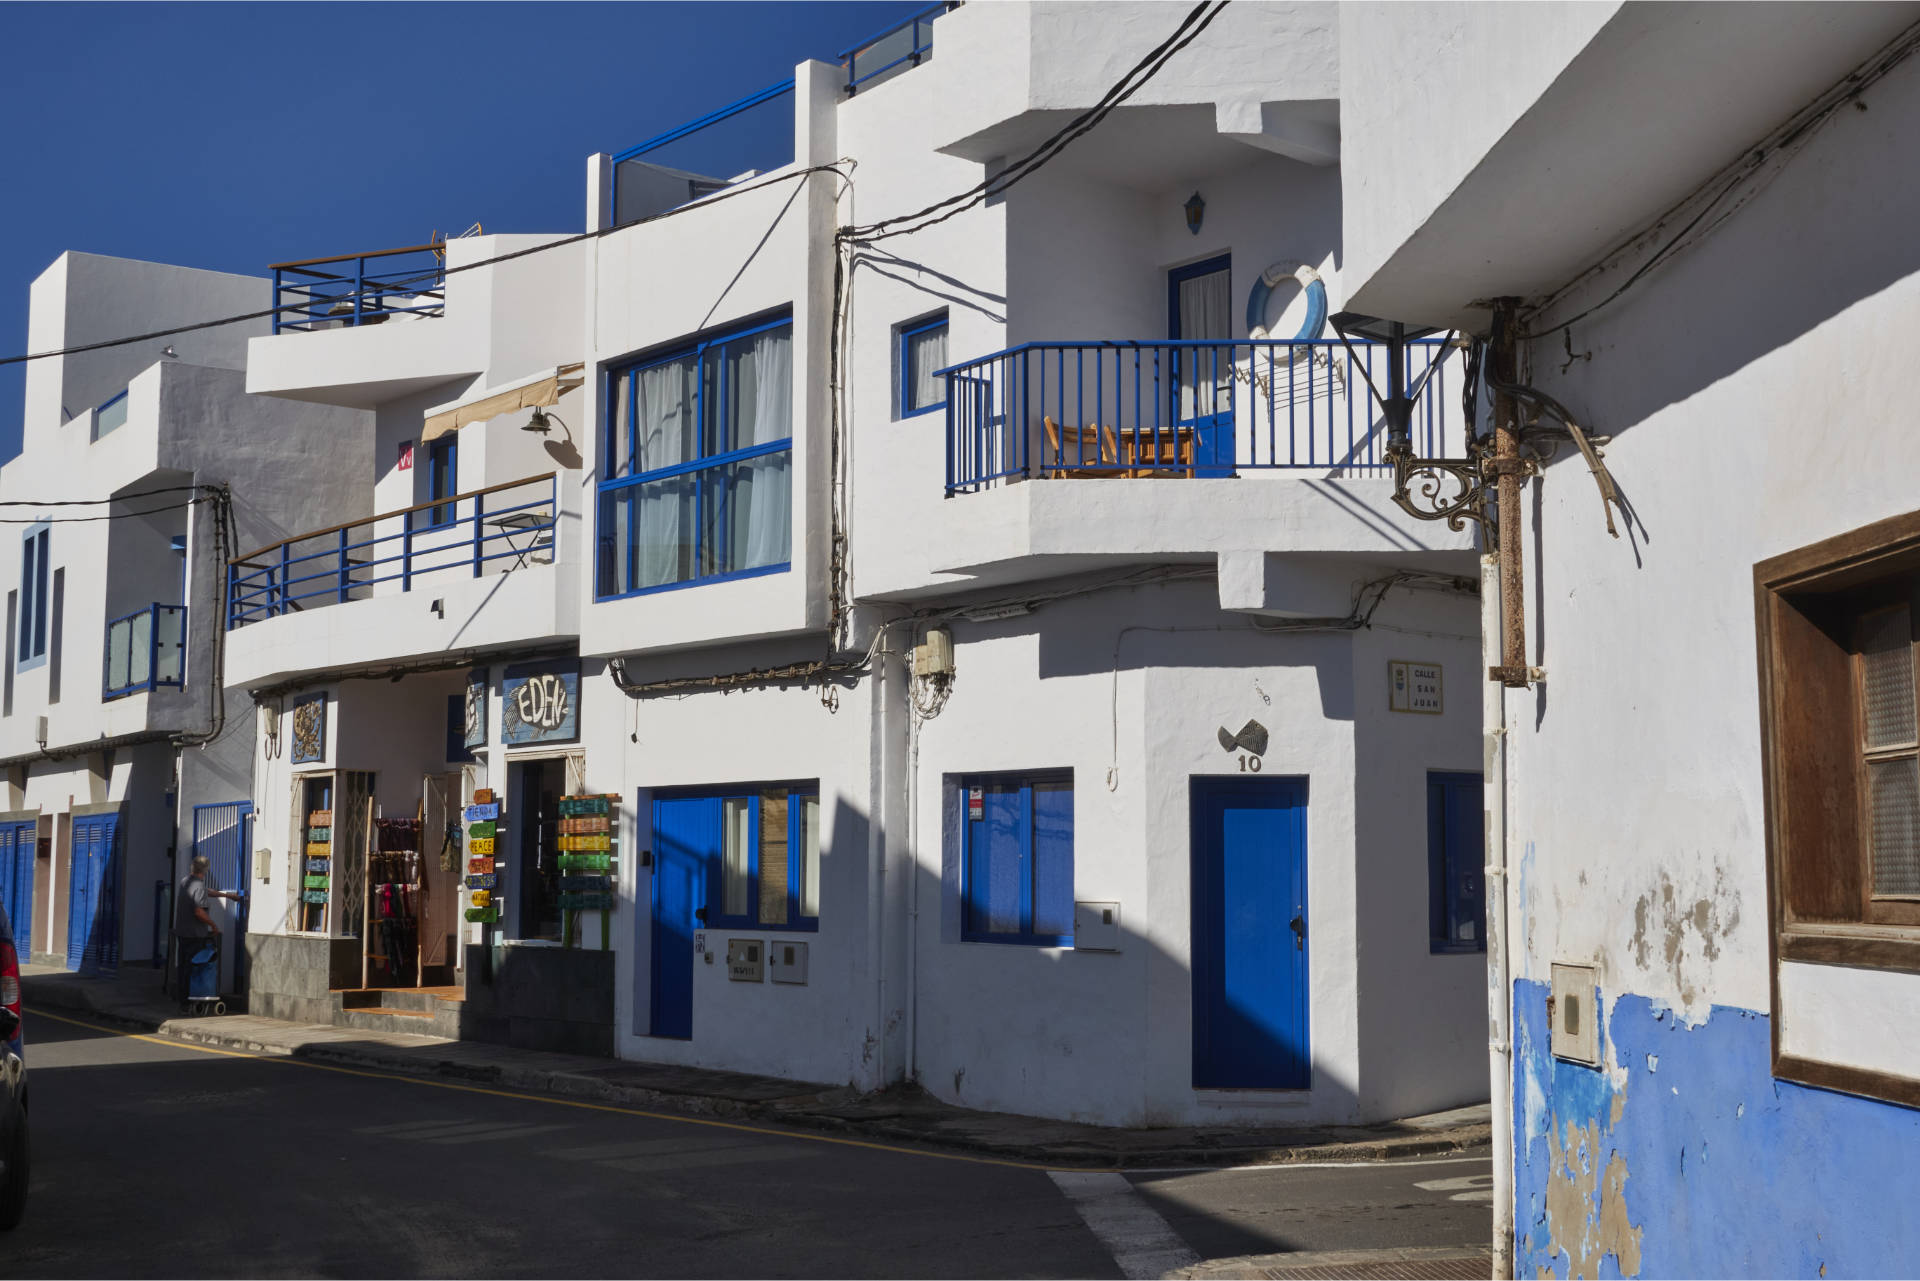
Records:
x=697, y=456
x=1016, y=851
x=1456, y=903
x=31, y=645
x=920, y=349
x=443, y=478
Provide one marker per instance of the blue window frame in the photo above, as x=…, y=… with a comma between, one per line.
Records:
x=1016, y=853
x=763, y=867
x=697, y=457
x=1456, y=905
x=34, y=572
x=443, y=477
x=920, y=349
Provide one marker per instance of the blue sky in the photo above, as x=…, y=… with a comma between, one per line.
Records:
x=230, y=136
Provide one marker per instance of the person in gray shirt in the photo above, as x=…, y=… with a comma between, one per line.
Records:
x=193, y=924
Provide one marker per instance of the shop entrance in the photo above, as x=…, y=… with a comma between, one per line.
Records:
x=441, y=847
x=534, y=790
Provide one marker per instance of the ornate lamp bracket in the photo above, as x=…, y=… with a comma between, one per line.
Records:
x=1455, y=490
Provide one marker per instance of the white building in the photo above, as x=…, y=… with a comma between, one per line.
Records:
x=1709, y=917
x=993, y=650
x=140, y=465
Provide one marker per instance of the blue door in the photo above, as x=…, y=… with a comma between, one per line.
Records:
x=1250, y=934
x=685, y=829
x=224, y=835
x=1200, y=309
x=93, y=903
x=17, y=848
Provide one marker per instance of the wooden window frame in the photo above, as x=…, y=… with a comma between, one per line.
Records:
x=1808, y=604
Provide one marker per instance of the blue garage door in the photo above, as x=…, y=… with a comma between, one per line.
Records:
x=16, y=879
x=93, y=904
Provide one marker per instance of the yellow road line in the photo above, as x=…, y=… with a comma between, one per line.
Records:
x=555, y=1101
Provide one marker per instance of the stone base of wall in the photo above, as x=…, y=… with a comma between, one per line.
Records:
x=541, y=998
x=292, y=977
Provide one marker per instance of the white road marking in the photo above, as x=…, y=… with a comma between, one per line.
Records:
x=1273, y=1166
x=699, y=1160
x=430, y=1130
x=1473, y=1187
x=641, y=1147
x=493, y=1133
x=1133, y=1232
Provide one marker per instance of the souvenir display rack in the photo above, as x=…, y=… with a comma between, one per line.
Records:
x=589, y=858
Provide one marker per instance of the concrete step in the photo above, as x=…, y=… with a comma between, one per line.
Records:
x=418, y=1022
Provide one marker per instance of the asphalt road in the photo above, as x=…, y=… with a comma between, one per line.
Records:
x=156, y=1158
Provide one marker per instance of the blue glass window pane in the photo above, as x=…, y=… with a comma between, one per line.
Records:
x=997, y=867
x=1053, y=859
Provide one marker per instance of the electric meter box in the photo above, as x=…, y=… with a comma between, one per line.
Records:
x=934, y=655
x=1096, y=927
x=746, y=960
x=1575, y=1020
x=787, y=961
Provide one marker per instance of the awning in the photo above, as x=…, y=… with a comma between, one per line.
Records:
x=528, y=393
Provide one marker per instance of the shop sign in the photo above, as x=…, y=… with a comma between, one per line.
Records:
x=485, y=827
x=475, y=721
x=481, y=813
x=485, y=881
x=480, y=865
x=309, y=729
x=976, y=804
x=480, y=845
x=540, y=703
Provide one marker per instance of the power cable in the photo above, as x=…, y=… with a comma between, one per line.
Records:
x=1196, y=21
x=92, y=502
x=1789, y=138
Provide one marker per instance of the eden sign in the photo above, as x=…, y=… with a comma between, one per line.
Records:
x=540, y=703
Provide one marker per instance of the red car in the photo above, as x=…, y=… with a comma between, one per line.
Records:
x=13, y=1070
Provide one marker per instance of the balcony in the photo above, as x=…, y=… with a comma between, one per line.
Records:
x=754, y=135
x=145, y=650
x=892, y=52
x=1189, y=410
x=489, y=569
x=492, y=530
x=359, y=289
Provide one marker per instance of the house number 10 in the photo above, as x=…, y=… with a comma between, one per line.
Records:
x=1249, y=764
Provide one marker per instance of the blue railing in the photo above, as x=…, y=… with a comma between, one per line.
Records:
x=645, y=183
x=1196, y=409
x=895, y=50
x=145, y=649
x=336, y=293
x=497, y=529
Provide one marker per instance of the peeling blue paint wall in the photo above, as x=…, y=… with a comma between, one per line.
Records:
x=1728, y=1171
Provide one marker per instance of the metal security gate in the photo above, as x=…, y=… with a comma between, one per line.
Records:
x=224, y=835
x=93, y=905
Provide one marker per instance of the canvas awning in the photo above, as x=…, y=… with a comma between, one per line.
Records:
x=528, y=393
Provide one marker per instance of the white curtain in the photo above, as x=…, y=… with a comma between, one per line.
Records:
x=736, y=845
x=926, y=352
x=668, y=433
x=1206, y=315
x=763, y=487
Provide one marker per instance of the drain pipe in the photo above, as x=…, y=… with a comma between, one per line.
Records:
x=1500, y=605
x=1493, y=698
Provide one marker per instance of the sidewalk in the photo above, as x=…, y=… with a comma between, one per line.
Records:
x=901, y=1114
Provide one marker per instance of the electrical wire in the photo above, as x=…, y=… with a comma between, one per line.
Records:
x=1785, y=141
x=1197, y=20
x=88, y=502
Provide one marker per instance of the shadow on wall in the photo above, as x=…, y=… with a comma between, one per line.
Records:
x=1804, y=250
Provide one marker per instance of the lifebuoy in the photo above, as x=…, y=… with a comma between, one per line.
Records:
x=1262, y=293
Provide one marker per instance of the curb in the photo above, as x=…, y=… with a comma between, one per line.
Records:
x=796, y=1111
